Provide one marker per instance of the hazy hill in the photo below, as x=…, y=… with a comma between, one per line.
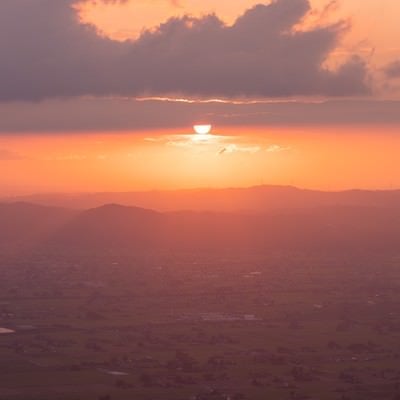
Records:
x=122, y=228
x=255, y=199
x=29, y=224
x=323, y=229
x=111, y=226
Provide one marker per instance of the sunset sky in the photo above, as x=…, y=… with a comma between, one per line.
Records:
x=102, y=95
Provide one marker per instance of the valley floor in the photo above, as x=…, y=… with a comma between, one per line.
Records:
x=199, y=326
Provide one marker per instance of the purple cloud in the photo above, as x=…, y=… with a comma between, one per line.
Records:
x=47, y=53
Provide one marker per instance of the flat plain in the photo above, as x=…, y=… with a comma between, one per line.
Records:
x=200, y=326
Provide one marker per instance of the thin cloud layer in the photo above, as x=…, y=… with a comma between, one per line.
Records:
x=234, y=148
x=111, y=115
x=7, y=155
x=47, y=53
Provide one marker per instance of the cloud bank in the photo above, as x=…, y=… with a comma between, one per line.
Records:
x=47, y=53
x=111, y=115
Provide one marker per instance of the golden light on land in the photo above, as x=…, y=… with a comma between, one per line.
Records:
x=202, y=129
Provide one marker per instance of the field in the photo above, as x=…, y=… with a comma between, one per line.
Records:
x=200, y=326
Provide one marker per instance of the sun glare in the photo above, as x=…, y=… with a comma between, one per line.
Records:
x=202, y=129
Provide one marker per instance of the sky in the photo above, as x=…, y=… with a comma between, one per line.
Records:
x=102, y=95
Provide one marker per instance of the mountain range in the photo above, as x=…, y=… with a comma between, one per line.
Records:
x=271, y=218
x=258, y=199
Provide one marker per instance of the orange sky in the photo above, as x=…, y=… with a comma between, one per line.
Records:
x=321, y=158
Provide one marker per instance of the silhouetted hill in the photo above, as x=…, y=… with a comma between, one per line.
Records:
x=321, y=229
x=121, y=228
x=24, y=224
x=111, y=226
x=255, y=199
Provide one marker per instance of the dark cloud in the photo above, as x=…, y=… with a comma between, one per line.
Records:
x=78, y=115
x=45, y=53
x=176, y=3
x=103, y=1
x=392, y=70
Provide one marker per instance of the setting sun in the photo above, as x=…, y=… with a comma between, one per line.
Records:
x=202, y=129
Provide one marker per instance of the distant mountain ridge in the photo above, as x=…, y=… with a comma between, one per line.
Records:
x=122, y=228
x=257, y=199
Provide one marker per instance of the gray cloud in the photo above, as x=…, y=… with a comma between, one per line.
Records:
x=392, y=70
x=176, y=3
x=78, y=115
x=47, y=53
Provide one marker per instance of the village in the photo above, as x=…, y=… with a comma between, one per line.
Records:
x=197, y=327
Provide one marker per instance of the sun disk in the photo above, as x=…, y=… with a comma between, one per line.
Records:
x=202, y=129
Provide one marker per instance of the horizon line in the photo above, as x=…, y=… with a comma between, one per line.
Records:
x=197, y=189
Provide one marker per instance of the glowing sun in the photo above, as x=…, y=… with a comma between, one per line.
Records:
x=202, y=129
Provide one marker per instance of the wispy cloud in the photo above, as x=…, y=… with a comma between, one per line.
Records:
x=234, y=148
x=8, y=155
x=218, y=144
x=191, y=140
x=67, y=157
x=276, y=148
